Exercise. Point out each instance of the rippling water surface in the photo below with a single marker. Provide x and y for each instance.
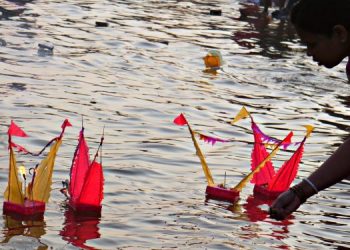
(133, 77)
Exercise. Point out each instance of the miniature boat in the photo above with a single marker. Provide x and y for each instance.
(32, 200)
(220, 192)
(213, 191)
(269, 184)
(27, 208)
(85, 188)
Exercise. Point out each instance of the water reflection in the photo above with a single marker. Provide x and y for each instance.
(7, 13)
(80, 228)
(264, 35)
(255, 210)
(32, 228)
(123, 76)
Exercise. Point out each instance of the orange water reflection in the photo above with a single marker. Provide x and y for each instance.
(15, 226)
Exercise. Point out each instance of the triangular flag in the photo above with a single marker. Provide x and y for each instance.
(180, 120)
(14, 130)
(243, 113)
(309, 129)
(66, 123)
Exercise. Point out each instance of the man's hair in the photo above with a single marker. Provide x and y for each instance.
(320, 16)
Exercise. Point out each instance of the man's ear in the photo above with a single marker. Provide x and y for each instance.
(341, 33)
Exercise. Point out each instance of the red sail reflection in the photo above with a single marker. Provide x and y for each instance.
(78, 229)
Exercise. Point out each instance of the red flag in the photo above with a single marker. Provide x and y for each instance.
(180, 120)
(19, 148)
(66, 123)
(14, 130)
(288, 139)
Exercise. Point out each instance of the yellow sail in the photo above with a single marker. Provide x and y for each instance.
(13, 192)
(43, 175)
(205, 167)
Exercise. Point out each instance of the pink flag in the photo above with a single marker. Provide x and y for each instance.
(210, 139)
(19, 147)
(180, 120)
(14, 130)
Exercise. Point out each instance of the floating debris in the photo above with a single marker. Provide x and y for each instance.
(45, 49)
(46, 46)
(213, 60)
(215, 12)
(2, 42)
(164, 42)
(101, 24)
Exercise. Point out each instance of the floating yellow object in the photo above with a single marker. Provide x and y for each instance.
(213, 59)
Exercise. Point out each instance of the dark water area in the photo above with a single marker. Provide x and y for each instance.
(132, 78)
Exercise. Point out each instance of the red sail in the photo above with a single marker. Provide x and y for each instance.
(287, 172)
(79, 169)
(92, 193)
(259, 153)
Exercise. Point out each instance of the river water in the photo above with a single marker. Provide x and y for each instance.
(133, 78)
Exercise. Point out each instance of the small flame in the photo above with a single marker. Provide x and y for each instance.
(22, 170)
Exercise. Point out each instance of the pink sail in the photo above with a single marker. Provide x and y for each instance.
(286, 174)
(80, 167)
(259, 153)
(86, 183)
(92, 193)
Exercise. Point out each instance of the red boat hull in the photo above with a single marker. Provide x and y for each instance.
(85, 209)
(261, 191)
(220, 193)
(27, 209)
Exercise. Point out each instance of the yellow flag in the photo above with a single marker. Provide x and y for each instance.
(243, 113)
(309, 129)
